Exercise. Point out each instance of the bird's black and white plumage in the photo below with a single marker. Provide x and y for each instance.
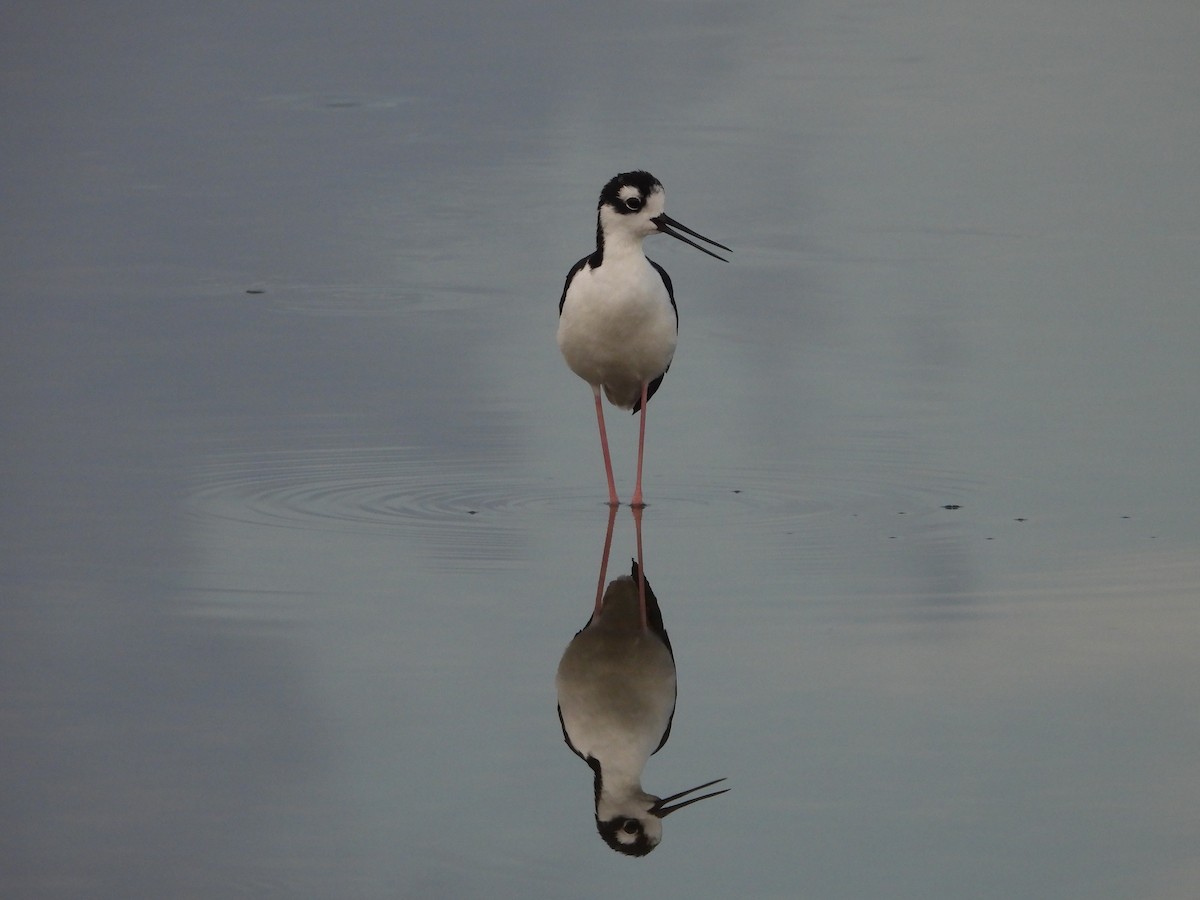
(616, 702)
(618, 321)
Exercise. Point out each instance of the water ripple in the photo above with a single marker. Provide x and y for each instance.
(398, 487)
(483, 509)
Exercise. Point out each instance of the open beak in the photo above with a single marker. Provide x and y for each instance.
(666, 224)
(660, 808)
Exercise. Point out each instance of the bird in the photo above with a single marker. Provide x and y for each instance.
(616, 689)
(617, 319)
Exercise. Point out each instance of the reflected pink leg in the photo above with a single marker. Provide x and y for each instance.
(613, 500)
(612, 517)
(637, 524)
(637, 501)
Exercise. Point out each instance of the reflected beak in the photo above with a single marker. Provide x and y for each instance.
(666, 225)
(660, 808)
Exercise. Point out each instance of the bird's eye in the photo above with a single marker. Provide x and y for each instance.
(633, 204)
(630, 826)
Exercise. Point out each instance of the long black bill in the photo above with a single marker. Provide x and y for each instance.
(665, 223)
(660, 808)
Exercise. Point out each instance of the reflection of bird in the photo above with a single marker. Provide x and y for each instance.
(617, 317)
(616, 700)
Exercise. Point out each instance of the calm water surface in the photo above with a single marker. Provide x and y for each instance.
(301, 506)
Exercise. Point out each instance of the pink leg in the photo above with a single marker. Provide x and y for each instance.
(612, 518)
(636, 500)
(613, 500)
(637, 524)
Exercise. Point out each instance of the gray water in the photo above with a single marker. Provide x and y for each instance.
(301, 505)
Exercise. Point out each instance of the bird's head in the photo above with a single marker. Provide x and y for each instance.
(631, 207)
(632, 824)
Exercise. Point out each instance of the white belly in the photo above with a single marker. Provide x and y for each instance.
(618, 329)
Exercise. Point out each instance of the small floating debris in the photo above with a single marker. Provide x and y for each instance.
(951, 506)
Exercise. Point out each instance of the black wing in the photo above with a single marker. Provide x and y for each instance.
(654, 385)
(655, 620)
(567, 737)
(653, 614)
(670, 289)
(575, 268)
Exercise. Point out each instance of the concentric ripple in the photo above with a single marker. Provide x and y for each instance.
(367, 489)
(485, 508)
(377, 488)
(457, 505)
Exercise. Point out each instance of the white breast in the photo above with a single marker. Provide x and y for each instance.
(616, 693)
(618, 328)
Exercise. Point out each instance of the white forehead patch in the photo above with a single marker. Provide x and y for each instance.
(629, 190)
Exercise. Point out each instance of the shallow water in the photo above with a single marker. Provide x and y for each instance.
(302, 506)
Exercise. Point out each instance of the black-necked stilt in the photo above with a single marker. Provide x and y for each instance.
(616, 701)
(617, 320)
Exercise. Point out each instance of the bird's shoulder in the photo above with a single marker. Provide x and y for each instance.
(575, 270)
(666, 279)
(567, 737)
